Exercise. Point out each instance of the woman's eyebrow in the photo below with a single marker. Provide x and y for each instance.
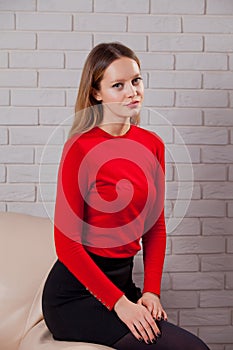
(133, 77)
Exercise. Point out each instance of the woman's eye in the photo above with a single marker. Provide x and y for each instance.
(137, 80)
(117, 85)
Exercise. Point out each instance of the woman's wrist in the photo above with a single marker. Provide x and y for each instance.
(151, 293)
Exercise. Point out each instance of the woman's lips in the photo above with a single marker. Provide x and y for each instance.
(133, 104)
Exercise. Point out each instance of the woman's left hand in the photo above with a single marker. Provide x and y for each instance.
(152, 302)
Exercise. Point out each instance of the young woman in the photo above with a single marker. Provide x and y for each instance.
(110, 196)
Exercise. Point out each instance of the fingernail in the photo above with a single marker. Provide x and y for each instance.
(154, 340)
(159, 334)
(159, 318)
(140, 339)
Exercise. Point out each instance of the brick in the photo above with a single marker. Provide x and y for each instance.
(35, 135)
(198, 281)
(166, 133)
(221, 298)
(168, 209)
(229, 280)
(218, 334)
(216, 80)
(172, 42)
(201, 208)
(217, 154)
(217, 190)
(22, 5)
(183, 190)
(214, 7)
(219, 43)
(231, 99)
(21, 174)
(177, 300)
(154, 24)
(15, 78)
(100, 23)
(175, 80)
(217, 117)
(13, 154)
(17, 40)
(3, 136)
(184, 227)
(180, 154)
(178, 7)
(198, 245)
(4, 97)
(207, 24)
(201, 98)
(204, 317)
(166, 281)
(64, 41)
(7, 21)
(59, 78)
(41, 21)
(203, 172)
(38, 97)
(217, 263)
(18, 116)
(137, 42)
(35, 209)
(152, 60)
(169, 172)
(33, 59)
(131, 6)
(231, 62)
(175, 116)
(68, 6)
(15, 192)
(3, 59)
(175, 263)
(71, 96)
(47, 193)
(231, 173)
(51, 154)
(201, 61)
(2, 173)
(56, 116)
(201, 135)
(230, 209)
(48, 173)
(75, 60)
(218, 226)
(158, 98)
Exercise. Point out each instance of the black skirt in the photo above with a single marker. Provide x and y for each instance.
(72, 313)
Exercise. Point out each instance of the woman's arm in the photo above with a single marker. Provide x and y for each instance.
(68, 226)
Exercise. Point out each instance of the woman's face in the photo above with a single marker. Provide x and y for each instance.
(121, 90)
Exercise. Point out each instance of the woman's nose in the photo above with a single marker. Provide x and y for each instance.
(131, 90)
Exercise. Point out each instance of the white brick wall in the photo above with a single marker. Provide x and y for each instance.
(186, 52)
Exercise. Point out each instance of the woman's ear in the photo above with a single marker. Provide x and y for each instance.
(96, 94)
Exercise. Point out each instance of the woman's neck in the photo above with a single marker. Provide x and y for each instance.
(115, 129)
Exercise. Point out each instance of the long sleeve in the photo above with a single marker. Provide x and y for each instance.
(154, 240)
(68, 226)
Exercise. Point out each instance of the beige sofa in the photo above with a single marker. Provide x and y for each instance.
(26, 256)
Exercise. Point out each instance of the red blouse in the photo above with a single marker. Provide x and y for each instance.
(110, 200)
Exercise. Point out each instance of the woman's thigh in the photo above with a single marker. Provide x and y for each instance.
(172, 338)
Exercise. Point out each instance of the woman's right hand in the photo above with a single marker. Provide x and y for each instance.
(138, 319)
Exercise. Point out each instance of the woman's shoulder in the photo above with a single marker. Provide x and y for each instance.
(150, 135)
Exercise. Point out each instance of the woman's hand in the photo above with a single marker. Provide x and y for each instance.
(138, 319)
(152, 302)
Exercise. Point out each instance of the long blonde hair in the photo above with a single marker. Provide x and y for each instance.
(88, 111)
